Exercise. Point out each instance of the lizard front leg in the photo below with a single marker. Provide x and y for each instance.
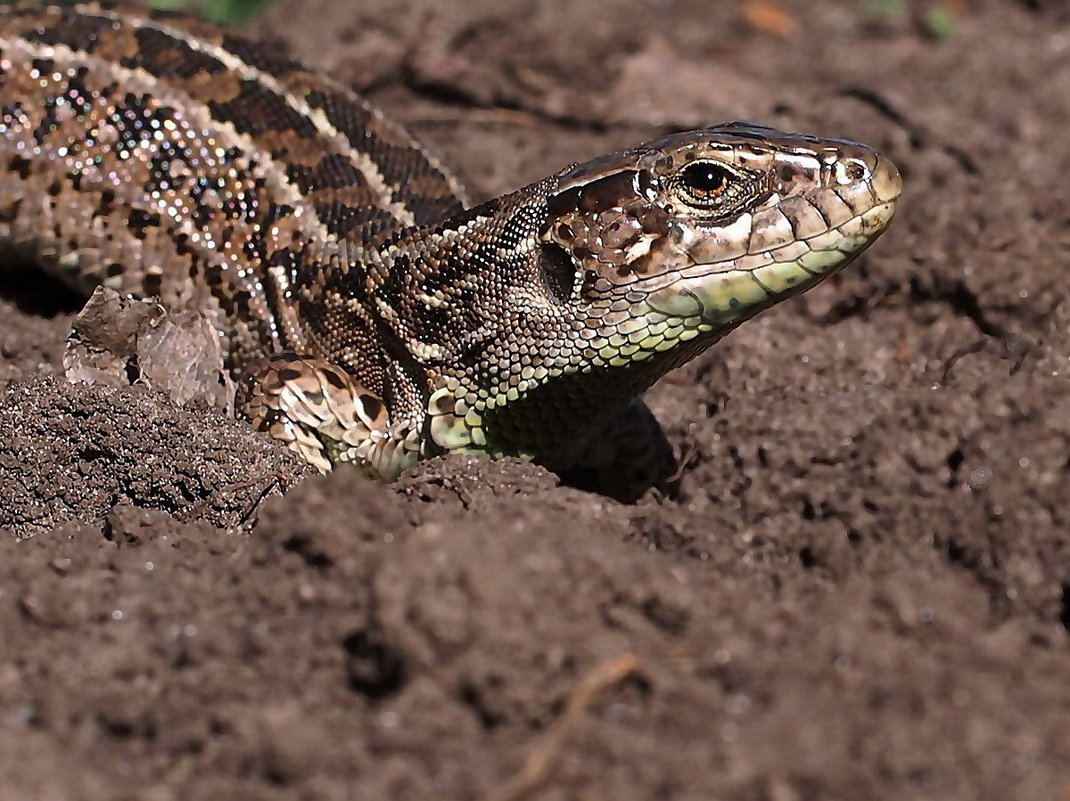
(323, 413)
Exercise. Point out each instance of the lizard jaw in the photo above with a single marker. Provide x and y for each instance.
(727, 293)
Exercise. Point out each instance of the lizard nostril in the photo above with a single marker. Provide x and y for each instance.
(851, 171)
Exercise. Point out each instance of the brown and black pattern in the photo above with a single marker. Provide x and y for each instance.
(370, 316)
(206, 142)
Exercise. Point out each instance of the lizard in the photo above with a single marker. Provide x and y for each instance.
(371, 315)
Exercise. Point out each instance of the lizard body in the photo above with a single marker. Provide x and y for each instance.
(369, 315)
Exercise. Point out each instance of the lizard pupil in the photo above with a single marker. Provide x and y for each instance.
(705, 180)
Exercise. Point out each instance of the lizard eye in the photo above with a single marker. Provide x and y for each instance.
(702, 183)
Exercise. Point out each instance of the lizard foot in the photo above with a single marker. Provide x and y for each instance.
(323, 414)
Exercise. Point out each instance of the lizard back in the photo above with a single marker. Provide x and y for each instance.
(161, 155)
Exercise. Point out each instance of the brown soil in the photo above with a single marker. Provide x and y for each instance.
(861, 591)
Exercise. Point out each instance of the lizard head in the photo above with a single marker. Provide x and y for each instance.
(638, 261)
(687, 236)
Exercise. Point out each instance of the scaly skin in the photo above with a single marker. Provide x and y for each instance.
(537, 318)
(368, 316)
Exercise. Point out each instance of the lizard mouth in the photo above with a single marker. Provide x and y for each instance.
(717, 294)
